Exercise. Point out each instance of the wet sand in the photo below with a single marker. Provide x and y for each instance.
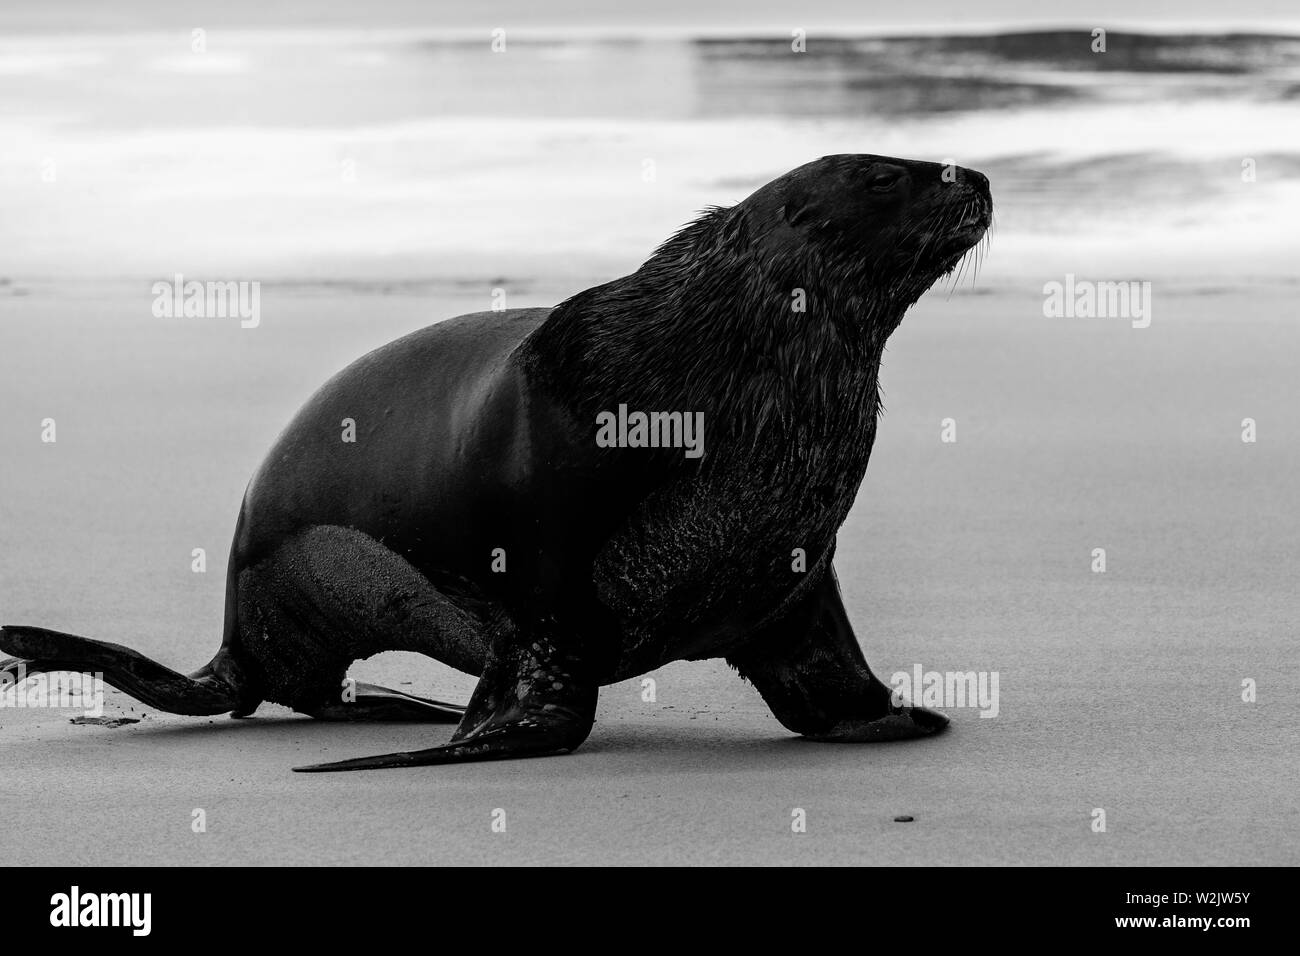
(1118, 690)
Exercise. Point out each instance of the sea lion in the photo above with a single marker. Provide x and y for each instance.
(513, 504)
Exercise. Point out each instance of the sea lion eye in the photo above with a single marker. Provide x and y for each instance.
(883, 180)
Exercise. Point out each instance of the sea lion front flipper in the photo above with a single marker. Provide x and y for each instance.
(811, 673)
(370, 702)
(528, 703)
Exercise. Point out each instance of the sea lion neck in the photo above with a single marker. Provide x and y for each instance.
(754, 345)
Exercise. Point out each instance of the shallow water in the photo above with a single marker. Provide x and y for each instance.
(352, 155)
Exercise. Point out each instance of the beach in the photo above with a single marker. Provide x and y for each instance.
(1119, 690)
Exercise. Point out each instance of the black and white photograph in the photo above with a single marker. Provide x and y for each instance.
(696, 434)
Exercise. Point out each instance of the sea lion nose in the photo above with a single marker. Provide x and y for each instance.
(975, 179)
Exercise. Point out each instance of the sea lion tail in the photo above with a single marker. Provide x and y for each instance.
(38, 651)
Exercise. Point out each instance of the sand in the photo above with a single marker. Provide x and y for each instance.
(1119, 691)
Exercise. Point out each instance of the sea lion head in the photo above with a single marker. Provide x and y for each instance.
(858, 237)
(890, 226)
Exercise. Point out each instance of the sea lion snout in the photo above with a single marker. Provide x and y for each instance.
(949, 214)
(885, 223)
(975, 180)
(979, 193)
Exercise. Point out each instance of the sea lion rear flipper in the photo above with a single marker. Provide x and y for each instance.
(375, 703)
(528, 703)
(39, 651)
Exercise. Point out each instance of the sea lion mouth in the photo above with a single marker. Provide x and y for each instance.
(961, 217)
(962, 237)
(952, 230)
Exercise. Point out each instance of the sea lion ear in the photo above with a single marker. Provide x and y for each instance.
(796, 209)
